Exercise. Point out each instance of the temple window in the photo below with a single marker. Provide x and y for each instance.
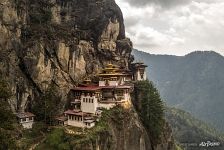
(120, 93)
(141, 76)
(107, 82)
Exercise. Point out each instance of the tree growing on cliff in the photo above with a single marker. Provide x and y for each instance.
(150, 107)
(4, 90)
(57, 140)
(7, 118)
(48, 106)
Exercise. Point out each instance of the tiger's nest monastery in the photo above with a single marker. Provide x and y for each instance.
(113, 88)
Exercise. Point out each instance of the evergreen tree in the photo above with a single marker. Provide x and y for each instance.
(4, 90)
(47, 107)
(7, 118)
(57, 140)
(150, 108)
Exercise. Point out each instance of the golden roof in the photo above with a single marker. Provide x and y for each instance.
(109, 65)
(112, 74)
(111, 70)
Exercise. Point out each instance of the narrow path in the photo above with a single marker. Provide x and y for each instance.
(36, 144)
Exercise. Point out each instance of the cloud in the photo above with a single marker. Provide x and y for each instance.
(196, 25)
(162, 3)
(166, 3)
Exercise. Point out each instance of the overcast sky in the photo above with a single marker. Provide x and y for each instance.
(174, 27)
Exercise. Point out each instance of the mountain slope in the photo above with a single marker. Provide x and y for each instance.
(187, 129)
(194, 82)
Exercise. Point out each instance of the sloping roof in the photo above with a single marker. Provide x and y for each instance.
(89, 121)
(75, 113)
(62, 118)
(88, 88)
(25, 115)
(139, 64)
(116, 87)
(112, 74)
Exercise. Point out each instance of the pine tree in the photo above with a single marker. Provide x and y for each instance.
(7, 118)
(48, 106)
(150, 108)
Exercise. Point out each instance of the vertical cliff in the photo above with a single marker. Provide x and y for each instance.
(58, 41)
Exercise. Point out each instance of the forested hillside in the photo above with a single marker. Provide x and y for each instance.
(194, 82)
(190, 132)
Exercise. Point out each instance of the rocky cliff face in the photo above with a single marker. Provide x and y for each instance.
(62, 42)
(58, 41)
(125, 132)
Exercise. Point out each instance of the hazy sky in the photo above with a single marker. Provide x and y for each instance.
(174, 26)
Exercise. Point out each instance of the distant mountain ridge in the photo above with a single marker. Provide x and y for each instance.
(194, 82)
(187, 129)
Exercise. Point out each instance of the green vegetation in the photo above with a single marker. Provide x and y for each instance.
(187, 129)
(32, 136)
(6, 140)
(58, 138)
(48, 106)
(115, 116)
(55, 140)
(7, 118)
(193, 83)
(4, 90)
(150, 108)
(40, 12)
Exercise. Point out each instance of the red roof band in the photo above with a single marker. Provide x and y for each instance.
(95, 88)
(25, 115)
(76, 113)
(88, 88)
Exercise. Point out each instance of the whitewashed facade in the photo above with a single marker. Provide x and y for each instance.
(89, 103)
(140, 75)
(26, 119)
(76, 121)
